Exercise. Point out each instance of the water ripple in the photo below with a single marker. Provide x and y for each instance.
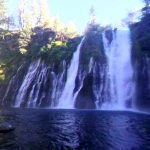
(76, 130)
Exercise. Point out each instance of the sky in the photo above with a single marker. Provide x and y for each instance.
(107, 11)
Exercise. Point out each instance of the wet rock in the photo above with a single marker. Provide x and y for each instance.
(86, 98)
(109, 35)
(6, 127)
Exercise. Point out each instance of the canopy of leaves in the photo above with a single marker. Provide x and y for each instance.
(2, 12)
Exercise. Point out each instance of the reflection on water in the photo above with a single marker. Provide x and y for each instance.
(74, 129)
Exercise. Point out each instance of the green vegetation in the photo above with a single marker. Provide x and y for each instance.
(140, 34)
(38, 36)
(19, 46)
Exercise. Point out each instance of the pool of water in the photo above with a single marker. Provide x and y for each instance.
(41, 129)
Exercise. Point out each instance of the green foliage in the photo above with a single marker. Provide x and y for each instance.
(70, 30)
(140, 34)
(38, 37)
(58, 44)
(2, 12)
(9, 55)
(57, 52)
(51, 46)
(2, 75)
(9, 66)
(24, 39)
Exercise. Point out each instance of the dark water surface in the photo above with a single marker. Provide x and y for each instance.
(39, 129)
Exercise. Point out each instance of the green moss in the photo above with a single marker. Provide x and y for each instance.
(2, 75)
(57, 43)
(43, 43)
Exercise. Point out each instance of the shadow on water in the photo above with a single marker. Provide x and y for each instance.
(75, 129)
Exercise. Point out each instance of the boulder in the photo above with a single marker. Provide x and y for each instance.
(6, 127)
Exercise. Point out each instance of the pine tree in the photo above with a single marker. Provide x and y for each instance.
(44, 19)
(57, 25)
(23, 14)
(70, 30)
(25, 24)
(147, 2)
(3, 18)
(35, 13)
(92, 15)
(146, 9)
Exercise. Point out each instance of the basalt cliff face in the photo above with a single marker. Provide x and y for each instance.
(41, 84)
(102, 73)
(140, 34)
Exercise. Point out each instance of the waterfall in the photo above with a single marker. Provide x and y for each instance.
(41, 86)
(120, 71)
(26, 83)
(102, 85)
(66, 99)
(57, 85)
(99, 86)
(13, 87)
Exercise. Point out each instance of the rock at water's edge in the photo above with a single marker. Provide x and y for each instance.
(6, 127)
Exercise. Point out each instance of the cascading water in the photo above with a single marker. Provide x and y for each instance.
(41, 86)
(57, 86)
(27, 81)
(99, 86)
(104, 84)
(120, 72)
(66, 99)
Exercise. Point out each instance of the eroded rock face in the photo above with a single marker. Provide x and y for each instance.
(109, 35)
(92, 53)
(86, 98)
(141, 60)
(2, 90)
(143, 83)
(42, 84)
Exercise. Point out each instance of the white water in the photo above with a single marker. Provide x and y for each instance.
(57, 86)
(120, 71)
(66, 99)
(113, 85)
(99, 86)
(27, 81)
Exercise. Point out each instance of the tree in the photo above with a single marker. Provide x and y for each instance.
(25, 24)
(57, 25)
(92, 15)
(146, 9)
(147, 2)
(22, 10)
(3, 18)
(36, 13)
(10, 22)
(31, 15)
(44, 19)
(70, 30)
